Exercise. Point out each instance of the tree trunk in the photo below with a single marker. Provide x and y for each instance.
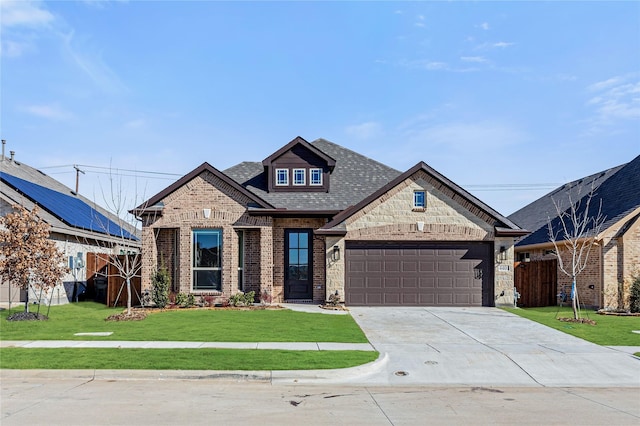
(574, 298)
(128, 296)
(26, 303)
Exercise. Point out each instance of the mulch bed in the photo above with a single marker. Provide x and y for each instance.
(27, 316)
(579, 320)
(135, 315)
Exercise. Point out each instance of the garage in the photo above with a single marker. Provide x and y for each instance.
(418, 273)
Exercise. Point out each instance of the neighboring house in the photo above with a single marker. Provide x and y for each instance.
(316, 219)
(616, 255)
(78, 227)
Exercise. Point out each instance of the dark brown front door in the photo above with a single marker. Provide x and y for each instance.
(418, 274)
(298, 275)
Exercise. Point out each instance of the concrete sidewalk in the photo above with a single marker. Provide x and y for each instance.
(122, 344)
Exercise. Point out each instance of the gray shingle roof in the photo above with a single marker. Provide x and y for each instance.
(354, 177)
(618, 189)
(28, 173)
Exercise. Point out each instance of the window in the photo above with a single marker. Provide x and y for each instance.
(524, 257)
(315, 177)
(299, 177)
(419, 200)
(282, 177)
(207, 259)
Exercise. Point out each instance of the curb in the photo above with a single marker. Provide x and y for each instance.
(237, 376)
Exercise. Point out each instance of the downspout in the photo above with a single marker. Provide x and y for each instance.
(602, 284)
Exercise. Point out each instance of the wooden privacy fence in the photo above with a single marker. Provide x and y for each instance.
(104, 283)
(536, 281)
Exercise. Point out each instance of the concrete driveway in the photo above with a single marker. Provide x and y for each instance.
(485, 347)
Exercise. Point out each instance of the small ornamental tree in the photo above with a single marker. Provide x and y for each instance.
(27, 256)
(574, 232)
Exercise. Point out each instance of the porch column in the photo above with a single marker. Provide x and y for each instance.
(149, 256)
(266, 262)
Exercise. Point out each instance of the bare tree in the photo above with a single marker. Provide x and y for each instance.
(28, 258)
(574, 231)
(129, 264)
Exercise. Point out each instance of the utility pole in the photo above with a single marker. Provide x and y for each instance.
(78, 171)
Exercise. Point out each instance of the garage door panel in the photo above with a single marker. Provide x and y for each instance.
(392, 283)
(412, 274)
(392, 265)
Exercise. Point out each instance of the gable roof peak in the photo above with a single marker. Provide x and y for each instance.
(188, 177)
(299, 140)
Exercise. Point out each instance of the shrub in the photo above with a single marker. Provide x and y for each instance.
(181, 299)
(634, 297)
(160, 283)
(242, 299)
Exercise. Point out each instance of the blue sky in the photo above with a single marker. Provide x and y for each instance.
(523, 94)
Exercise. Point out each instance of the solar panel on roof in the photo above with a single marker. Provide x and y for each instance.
(73, 211)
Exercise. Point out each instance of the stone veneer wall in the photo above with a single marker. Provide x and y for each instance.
(503, 271)
(393, 218)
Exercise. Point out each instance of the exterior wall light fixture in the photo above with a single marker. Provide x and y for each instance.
(335, 255)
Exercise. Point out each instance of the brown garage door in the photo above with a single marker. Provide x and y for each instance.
(418, 274)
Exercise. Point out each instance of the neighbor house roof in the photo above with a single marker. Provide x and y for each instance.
(354, 177)
(64, 210)
(617, 194)
(502, 225)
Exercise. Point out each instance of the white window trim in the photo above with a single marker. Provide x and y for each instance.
(311, 180)
(424, 199)
(286, 183)
(304, 177)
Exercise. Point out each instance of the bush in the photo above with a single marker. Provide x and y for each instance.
(160, 283)
(242, 299)
(181, 299)
(634, 297)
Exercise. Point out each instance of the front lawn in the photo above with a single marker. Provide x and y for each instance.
(203, 325)
(609, 330)
(181, 359)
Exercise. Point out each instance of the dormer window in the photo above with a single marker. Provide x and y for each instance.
(282, 177)
(299, 177)
(315, 177)
(298, 167)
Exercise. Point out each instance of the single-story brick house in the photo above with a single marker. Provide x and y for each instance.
(313, 219)
(616, 255)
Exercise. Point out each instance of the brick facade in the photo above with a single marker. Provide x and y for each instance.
(169, 236)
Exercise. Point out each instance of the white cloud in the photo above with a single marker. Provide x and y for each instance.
(12, 48)
(477, 59)
(49, 112)
(90, 61)
(367, 130)
(24, 13)
(502, 44)
(614, 99)
(485, 26)
(466, 137)
(136, 123)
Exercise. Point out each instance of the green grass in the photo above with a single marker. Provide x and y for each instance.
(185, 325)
(180, 359)
(609, 330)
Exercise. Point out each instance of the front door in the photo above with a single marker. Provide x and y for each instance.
(298, 275)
